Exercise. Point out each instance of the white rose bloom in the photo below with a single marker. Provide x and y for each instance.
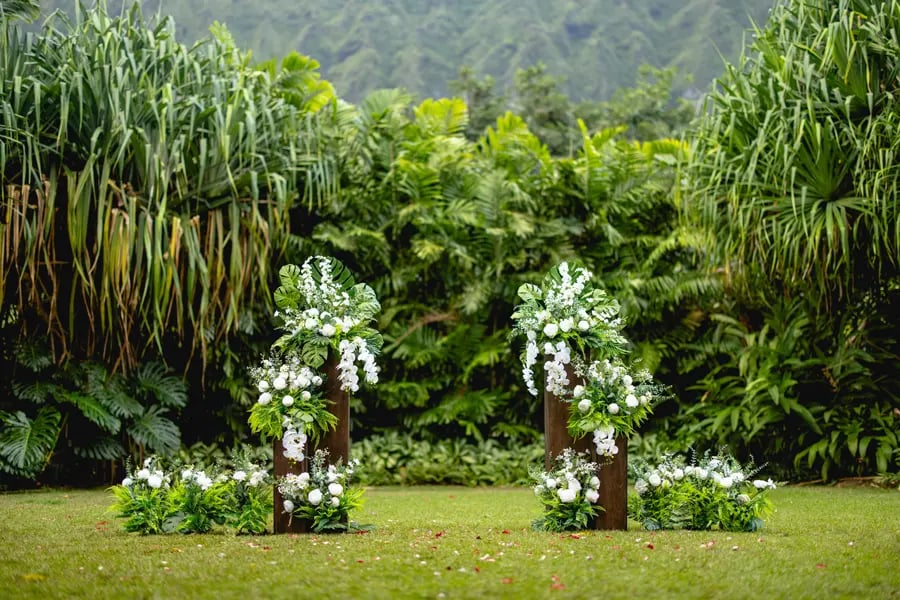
(583, 325)
(573, 484)
(127, 481)
(304, 477)
(678, 475)
(550, 483)
(311, 323)
(701, 473)
(725, 482)
(592, 496)
(263, 385)
(335, 489)
(288, 400)
(154, 481)
(654, 479)
(594, 482)
(265, 398)
(584, 405)
(143, 474)
(627, 380)
(551, 329)
(328, 330)
(566, 495)
(288, 506)
(305, 395)
(280, 383)
(187, 474)
(239, 475)
(566, 325)
(331, 477)
(335, 501)
(315, 497)
(613, 408)
(640, 486)
(631, 401)
(577, 391)
(317, 380)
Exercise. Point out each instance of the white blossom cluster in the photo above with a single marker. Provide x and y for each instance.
(353, 351)
(199, 478)
(294, 443)
(150, 475)
(321, 322)
(318, 486)
(322, 292)
(254, 478)
(717, 471)
(555, 376)
(285, 382)
(605, 441)
(573, 478)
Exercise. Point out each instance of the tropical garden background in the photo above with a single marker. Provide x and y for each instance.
(152, 188)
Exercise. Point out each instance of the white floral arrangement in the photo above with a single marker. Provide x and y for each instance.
(612, 402)
(322, 311)
(155, 500)
(569, 493)
(565, 313)
(567, 319)
(714, 492)
(322, 495)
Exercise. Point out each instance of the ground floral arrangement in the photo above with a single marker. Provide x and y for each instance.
(155, 500)
(322, 495)
(568, 493)
(714, 492)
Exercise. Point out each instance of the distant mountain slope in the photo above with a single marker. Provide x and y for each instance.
(420, 44)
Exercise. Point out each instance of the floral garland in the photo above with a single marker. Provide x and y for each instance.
(568, 492)
(322, 495)
(714, 492)
(322, 310)
(567, 317)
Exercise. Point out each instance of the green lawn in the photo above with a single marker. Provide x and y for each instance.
(456, 543)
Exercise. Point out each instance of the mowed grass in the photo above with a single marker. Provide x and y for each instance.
(456, 543)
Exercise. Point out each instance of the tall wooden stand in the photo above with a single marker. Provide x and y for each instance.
(613, 476)
(336, 442)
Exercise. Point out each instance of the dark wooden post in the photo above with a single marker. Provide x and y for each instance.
(614, 490)
(337, 442)
(613, 476)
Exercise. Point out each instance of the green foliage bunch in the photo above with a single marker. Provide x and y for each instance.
(153, 500)
(568, 493)
(147, 184)
(322, 495)
(395, 458)
(789, 184)
(715, 492)
(84, 412)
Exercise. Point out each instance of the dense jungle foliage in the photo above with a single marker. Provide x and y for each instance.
(152, 190)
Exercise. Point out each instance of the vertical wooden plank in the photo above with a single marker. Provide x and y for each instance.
(337, 441)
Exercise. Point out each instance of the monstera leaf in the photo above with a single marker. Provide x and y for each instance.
(26, 444)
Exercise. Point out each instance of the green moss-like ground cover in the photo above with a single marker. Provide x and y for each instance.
(449, 542)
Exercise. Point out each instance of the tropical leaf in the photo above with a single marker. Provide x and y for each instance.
(152, 381)
(26, 444)
(155, 431)
(104, 448)
(93, 410)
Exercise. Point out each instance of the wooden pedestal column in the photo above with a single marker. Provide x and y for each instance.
(613, 476)
(336, 442)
